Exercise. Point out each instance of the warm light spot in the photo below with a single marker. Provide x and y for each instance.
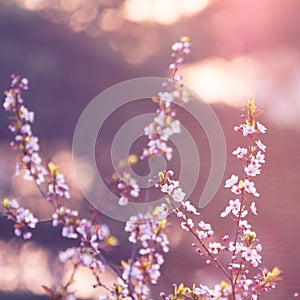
(137, 10)
(162, 11)
(82, 17)
(193, 7)
(23, 187)
(71, 5)
(272, 77)
(142, 45)
(63, 159)
(216, 79)
(85, 170)
(110, 20)
(35, 268)
(26, 267)
(76, 24)
(176, 239)
(33, 5)
(84, 280)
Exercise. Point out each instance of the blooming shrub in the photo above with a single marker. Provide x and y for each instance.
(244, 275)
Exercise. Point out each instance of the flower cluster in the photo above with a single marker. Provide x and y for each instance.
(20, 126)
(164, 124)
(94, 238)
(22, 217)
(147, 231)
(28, 145)
(68, 219)
(176, 197)
(244, 248)
(245, 277)
(128, 188)
(57, 187)
(180, 49)
(242, 279)
(196, 293)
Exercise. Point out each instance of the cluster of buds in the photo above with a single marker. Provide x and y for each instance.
(175, 193)
(245, 251)
(20, 126)
(28, 145)
(128, 188)
(94, 240)
(147, 231)
(165, 123)
(68, 219)
(180, 49)
(244, 248)
(143, 271)
(185, 212)
(196, 292)
(22, 217)
(57, 187)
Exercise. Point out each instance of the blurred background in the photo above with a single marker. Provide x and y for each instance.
(71, 50)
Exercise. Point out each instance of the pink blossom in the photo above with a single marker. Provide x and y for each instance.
(204, 226)
(168, 189)
(215, 247)
(261, 128)
(231, 181)
(248, 130)
(238, 128)
(250, 188)
(235, 248)
(26, 115)
(260, 158)
(240, 152)
(252, 170)
(164, 124)
(69, 253)
(252, 256)
(22, 217)
(190, 208)
(202, 234)
(236, 189)
(9, 102)
(253, 208)
(178, 195)
(203, 291)
(234, 207)
(166, 96)
(244, 224)
(186, 225)
(129, 189)
(246, 283)
(260, 145)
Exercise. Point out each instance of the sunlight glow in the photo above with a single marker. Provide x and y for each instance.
(33, 5)
(110, 20)
(229, 81)
(272, 77)
(162, 11)
(84, 280)
(24, 266)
